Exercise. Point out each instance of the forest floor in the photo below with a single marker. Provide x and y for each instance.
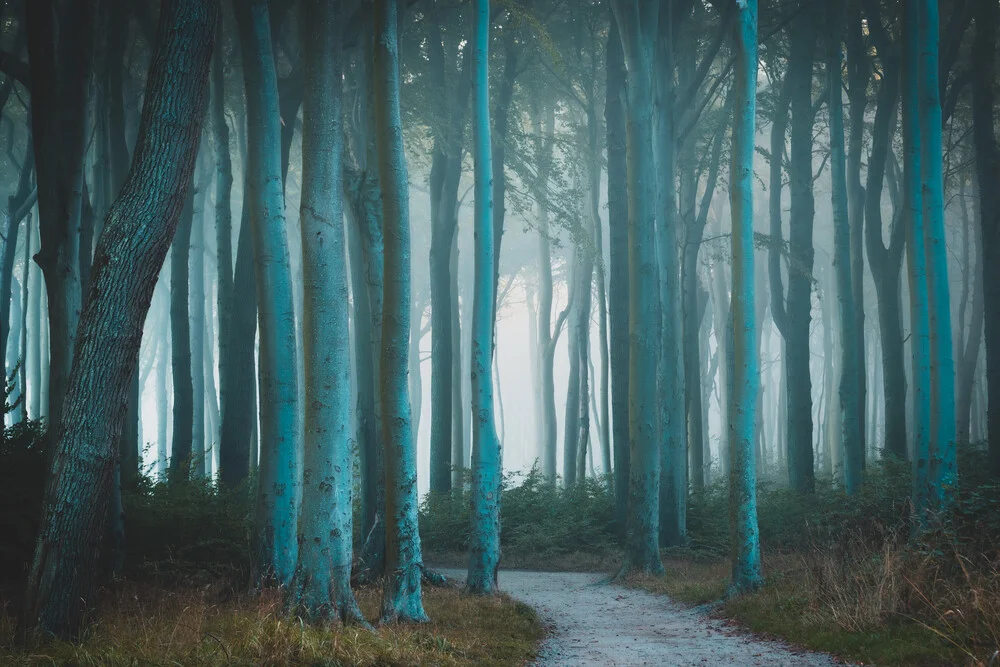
(593, 622)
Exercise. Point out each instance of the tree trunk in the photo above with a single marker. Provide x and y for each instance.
(322, 584)
(182, 446)
(279, 485)
(746, 574)
(129, 255)
(196, 308)
(988, 172)
(402, 597)
(618, 317)
(60, 41)
(638, 22)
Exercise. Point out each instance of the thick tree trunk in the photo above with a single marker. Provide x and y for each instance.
(129, 255)
(322, 584)
(402, 597)
(279, 485)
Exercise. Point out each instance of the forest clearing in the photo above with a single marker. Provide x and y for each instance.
(500, 332)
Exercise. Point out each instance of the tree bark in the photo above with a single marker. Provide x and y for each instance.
(129, 255)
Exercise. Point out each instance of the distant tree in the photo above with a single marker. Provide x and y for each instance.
(182, 450)
(129, 255)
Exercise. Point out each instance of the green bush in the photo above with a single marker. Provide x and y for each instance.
(537, 518)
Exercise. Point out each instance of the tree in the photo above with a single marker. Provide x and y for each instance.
(129, 255)
(852, 430)
(988, 171)
(322, 584)
(484, 550)
(638, 22)
(182, 447)
(279, 481)
(60, 51)
(403, 563)
(745, 382)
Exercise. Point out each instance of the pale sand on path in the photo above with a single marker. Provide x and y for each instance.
(592, 622)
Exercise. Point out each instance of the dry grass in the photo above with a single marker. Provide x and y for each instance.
(883, 603)
(139, 625)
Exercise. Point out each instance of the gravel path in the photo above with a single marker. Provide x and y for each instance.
(593, 623)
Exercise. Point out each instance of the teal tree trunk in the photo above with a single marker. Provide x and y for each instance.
(484, 547)
(671, 400)
(916, 260)
(850, 365)
(943, 460)
(402, 600)
(637, 22)
(129, 255)
(322, 584)
(745, 383)
(279, 477)
(181, 448)
(614, 117)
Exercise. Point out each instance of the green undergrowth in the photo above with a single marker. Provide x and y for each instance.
(542, 526)
(850, 577)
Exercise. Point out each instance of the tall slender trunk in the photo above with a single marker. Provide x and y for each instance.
(851, 400)
(484, 547)
(618, 317)
(129, 255)
(181, 450)
(746, 573)
(571, 425)
(402, 597)
(638, 22)
(458, 405)
(279, 485)
(18, 208)
(671, 396)
(196, 310)
(969, 344)
(988, 172)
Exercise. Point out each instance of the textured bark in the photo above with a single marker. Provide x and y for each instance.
(182, 443)
(988, 172)
(279, 484)
(484, 546)
(401, 599)
(129, 255)
(60, 51)
(614, 116)
(746, 381)
(322, 584)
(637, 22)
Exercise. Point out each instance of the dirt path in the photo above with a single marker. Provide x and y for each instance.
(601, 624)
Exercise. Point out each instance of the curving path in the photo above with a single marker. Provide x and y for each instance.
(593, 623)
